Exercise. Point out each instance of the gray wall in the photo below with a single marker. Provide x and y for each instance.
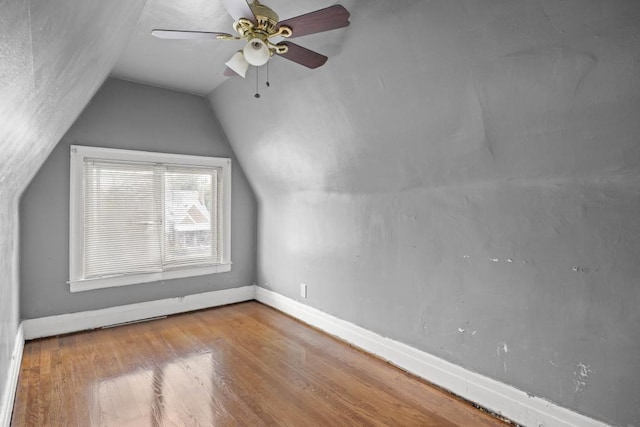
(53, 57)
(463, 176)
(130, 116)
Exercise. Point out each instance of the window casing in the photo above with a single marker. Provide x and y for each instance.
(139, 217)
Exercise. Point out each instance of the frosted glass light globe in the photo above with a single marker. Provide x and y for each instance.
(238, 64)
(256, 52)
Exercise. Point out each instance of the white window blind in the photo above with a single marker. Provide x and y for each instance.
(141, 219)
(122, 219)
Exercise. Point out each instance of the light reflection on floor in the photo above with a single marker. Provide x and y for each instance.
(166, 395)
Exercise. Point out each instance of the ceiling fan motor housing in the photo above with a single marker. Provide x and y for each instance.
(266, 19)
(265, 26)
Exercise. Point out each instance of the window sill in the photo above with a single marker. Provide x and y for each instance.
(134, 279)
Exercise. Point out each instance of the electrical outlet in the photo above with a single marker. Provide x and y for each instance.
(303, 290)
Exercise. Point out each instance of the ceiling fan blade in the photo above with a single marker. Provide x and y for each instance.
(186, 35)
(330, 18)
(239, 9)
(303, 56)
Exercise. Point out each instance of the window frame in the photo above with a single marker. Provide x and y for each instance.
(78, 154)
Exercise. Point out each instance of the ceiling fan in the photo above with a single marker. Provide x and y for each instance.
(258, 25)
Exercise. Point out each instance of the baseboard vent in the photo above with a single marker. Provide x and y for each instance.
(131, 322)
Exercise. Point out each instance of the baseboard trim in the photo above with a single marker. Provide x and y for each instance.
(75, 322)
(498, 397)
(6, 404)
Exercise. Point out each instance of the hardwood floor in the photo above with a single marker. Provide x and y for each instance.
(243, 364)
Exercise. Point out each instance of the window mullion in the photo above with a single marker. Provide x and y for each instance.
(215, 220)
(163, 210)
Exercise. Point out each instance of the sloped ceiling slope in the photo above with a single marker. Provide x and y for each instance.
(53, 57)
(463, 176)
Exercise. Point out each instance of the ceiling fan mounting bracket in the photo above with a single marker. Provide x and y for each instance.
(266, 19)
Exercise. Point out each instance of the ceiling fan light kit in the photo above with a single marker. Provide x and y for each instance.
(238, 64)
(258, 24)
(256, 52)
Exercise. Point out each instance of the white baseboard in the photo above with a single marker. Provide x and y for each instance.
(6, 402)
(74, 322)
(498, 397)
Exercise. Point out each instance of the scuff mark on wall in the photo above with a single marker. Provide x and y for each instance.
(546, 15)
(425, 324)
(585, 270)
(581, 377)
(501, 352)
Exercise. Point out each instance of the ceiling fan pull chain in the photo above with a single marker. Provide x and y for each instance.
(268, 84)
(257, 95)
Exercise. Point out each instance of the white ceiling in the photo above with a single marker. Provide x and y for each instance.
(194, 66)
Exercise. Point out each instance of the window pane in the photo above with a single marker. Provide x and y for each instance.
(122, 219)
(191, 234)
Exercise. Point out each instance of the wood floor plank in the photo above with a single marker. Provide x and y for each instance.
(239, 365)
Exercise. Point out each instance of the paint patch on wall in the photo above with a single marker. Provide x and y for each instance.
(581, 377)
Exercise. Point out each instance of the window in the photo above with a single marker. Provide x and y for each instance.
(142, 217)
